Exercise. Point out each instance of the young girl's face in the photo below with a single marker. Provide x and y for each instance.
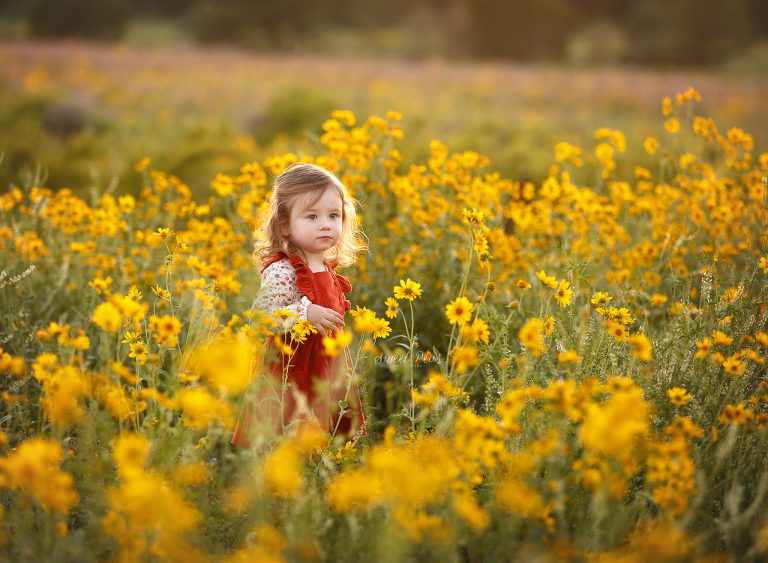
(315, 227)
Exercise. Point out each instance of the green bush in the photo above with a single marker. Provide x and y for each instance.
(92, 19)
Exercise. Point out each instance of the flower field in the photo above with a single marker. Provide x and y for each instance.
(86, 114)
(565, 369)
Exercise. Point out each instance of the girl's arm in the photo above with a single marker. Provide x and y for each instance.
(279, 292)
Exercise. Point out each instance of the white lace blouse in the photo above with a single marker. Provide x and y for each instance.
(279, 291)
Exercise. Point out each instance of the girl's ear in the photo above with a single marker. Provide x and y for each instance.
(285, 228)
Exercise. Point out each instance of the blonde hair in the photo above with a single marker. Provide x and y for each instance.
(302, 179)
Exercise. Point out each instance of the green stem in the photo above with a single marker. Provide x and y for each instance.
(462, 289)
(283, 387)
(595, 354)
(411, 344)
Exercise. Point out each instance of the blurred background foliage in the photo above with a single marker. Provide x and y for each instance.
(88, 88)
(584, 31)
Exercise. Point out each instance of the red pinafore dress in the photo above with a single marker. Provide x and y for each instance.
(317, 382)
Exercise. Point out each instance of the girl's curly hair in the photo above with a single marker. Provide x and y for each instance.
(301, 179)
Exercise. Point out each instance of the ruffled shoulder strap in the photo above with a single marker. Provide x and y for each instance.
(345, 287)
(303, 274)
(343, 282)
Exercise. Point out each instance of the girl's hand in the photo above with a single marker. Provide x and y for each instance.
(323, 318)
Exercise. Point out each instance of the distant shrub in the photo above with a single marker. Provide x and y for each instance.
(294, 109)
(66, 116)
(520, 29)
(77, 18)
(267, 24)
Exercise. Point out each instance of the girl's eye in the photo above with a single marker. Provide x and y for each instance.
(311, 216)
(334, 215)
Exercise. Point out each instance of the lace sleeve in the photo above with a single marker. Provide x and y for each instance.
(278, 291)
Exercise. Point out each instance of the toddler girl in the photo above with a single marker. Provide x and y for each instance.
(312, 228)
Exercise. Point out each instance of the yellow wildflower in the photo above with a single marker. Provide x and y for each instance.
(138, 351)
(471, 512)
(666, 106)
(459, 311)
(641, 346)
(336, 342)
(391, 304)
(600, 298)
(734, 365)
(191, 474)
(101, 285)
(301, 330)
(736, 413)
(613, 427)
(617, 330)
(672, 125)
(142, 164)
(522, 284)
(163, 233)
(167, 329)
(517, 496)
(549, 281)
(568, 357)
(678, 396)
(650, 145)
(703, 347)
(549, 325)
(107, 317)
(201, 408)
(407, 289)
(530, 336)
(475, 332)
(225, 363)
(130, 451)
(353, 490)
(345, 116)
(721, 338)
(464, 357)
(34, 467)
(563, 294)
(162, 293)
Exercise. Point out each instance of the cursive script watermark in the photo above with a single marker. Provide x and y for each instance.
(419, 357)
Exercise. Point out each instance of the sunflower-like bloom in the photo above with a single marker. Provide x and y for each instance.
(459, 311)
(407, 289)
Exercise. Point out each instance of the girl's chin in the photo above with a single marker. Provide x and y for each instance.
(320, 246)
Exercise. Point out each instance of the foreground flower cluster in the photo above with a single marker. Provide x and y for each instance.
(572, 369)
